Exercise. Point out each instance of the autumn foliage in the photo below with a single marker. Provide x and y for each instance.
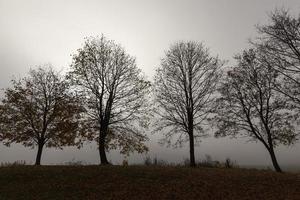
(40, 110)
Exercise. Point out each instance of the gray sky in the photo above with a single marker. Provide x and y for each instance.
(37, 32)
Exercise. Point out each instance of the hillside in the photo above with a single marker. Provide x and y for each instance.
(138, 182)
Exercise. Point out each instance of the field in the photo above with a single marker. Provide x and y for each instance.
(141, 182)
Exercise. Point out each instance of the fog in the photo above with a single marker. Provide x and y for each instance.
(37, 32)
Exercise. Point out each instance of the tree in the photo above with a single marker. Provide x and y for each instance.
(249, 105)
(39, 110)
(116, 96)
(279, 42)
(184, 87)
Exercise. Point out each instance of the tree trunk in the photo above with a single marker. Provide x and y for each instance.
(192, 151)
(102, 153)
(39, 154)
(274, 160)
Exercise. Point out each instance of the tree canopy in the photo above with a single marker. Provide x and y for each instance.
(279, 42)
(116, 96)
(184, 87)
(40, 110)
(249, 105)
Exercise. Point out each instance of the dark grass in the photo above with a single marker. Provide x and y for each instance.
(142, 182)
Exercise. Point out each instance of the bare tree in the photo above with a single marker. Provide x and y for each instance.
(39, 110)
(116, 96)
(279, 41)
(184, 87)
(249, 105)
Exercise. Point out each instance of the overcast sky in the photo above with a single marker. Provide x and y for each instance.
(37, 32)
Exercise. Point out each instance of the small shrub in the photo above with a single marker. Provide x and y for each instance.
(229, 163)
(155, 162)
(161, 162)
(15, 163)
(186, 162)
(209, 162)
(125, 162)
(147, 161)
(75, 163)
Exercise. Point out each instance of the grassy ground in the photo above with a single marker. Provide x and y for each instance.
(141, 182)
